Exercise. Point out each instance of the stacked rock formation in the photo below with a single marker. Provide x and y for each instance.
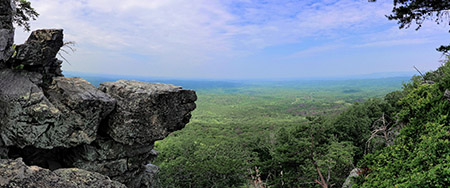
(67, 124)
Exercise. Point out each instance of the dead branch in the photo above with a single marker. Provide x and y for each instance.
(69, 45)
(380, 129)
(419, 72)
(322, 181)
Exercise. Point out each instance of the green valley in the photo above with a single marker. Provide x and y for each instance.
(235, 132)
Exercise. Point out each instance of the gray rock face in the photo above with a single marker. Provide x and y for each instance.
(25, 112)
(7, 9)
(41, 47)
(147, 112)
(349, 181)
(73, 117)
(120, 162)
(82, 107)
(38, 53)
(54, 122)
(447, 94)
(15, 174)
(65, 115)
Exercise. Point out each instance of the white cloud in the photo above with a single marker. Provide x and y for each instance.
(388, 43)
(195, 32)
(315, 50)
(199, 25)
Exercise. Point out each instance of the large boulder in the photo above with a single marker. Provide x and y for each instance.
(7, 8)
(15, 174)
(38, 53)
(40, 48)
(67, 114)
(82, 107)
(25, 113)
(147, 112)
(118, 161)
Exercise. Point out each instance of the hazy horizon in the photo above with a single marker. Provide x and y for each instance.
(379, 75)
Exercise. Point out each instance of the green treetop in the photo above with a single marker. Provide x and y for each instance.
(24, 13)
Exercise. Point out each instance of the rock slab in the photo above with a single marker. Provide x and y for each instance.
(147, 112)
(16, 174)
(38, 54)
(65, 115)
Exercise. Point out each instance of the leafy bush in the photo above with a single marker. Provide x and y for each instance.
(421, 155)
(202, 162)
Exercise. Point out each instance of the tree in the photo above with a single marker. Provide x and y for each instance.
(307, 155)
(201, 161)
(417, 11)
(24, 13)
(419, 157)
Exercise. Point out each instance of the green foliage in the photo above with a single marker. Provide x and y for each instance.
(24, 14)
(19, 67)
(444, 49)
(354, 124)
(393, 99)
(202, 162)
(417, 11)
(290, 159)
(15, 51)
(420, 156)
(236, 130)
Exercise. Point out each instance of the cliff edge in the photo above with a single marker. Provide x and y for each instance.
(57, 131)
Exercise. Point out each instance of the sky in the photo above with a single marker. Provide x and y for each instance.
(238, 39)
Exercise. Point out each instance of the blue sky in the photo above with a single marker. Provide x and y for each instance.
(238, 39)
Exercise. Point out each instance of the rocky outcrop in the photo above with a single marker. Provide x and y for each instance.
(147, 112)
(66, 114)
(25, 113)
(38, 54)
(120, 162)
(7, 8)
(40, 48)
(15, 174)
(56, 122)
(82, 107)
